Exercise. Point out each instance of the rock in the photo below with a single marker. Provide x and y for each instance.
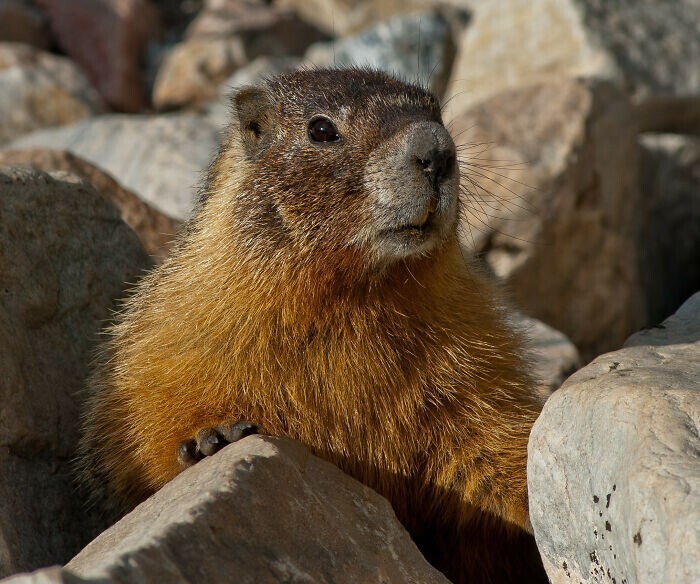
(614, 463)
(160, 158)
(224, 37)
(192, 72)
(550, 185)
(681, 327)
(108, 39)
(650, 48)
(554, 356)
(219, 111)
(38, 89)
(346, 17)
(53, 575)
(21, 22)
(417, 47)
(668, 236)
(155, 229)
(265, 510)
(66, 256)
(264, 29)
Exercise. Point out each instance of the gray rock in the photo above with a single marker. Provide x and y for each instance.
(155, 230)
(550, 185)
(416, 47)
(668, 237)
(554, 356)
(160, 158)
(614, 463)
(265, 510)
(650, 48)
(66, 257)
(38, 89)
(53, 575)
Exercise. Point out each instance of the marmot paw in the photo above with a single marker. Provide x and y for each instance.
(209, 441)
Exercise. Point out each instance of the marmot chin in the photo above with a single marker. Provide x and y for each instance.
(319, 292)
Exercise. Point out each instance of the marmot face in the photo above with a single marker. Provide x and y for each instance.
(359, 165)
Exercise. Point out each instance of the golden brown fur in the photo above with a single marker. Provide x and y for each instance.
(408, 377)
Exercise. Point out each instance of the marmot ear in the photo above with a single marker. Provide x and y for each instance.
(253, 110)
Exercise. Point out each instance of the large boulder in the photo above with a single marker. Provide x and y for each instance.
(160, 158)
(550, 185)
(66, 257)
(38, 89)
(108, 38)
(155, 230)
(614, 463)
(261, 510)
(652, 49)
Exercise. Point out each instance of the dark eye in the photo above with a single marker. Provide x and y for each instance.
(322, 130)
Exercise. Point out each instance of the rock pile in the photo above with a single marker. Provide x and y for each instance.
(576, 122)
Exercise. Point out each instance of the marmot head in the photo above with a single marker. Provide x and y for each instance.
(341, 161)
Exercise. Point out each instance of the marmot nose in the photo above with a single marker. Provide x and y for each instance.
(437, 164)
(433, 152)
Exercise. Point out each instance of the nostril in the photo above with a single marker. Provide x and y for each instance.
(438, 164)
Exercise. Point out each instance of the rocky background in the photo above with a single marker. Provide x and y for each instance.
(578, 125)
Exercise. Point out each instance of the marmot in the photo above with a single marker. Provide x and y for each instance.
(320, 293)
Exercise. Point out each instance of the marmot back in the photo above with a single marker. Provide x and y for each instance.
(319, 292)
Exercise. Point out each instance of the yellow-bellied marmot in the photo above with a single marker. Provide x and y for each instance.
(319, 292)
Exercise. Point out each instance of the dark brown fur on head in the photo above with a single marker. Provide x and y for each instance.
(320, 292)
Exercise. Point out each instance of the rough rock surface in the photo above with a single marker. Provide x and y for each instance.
(651, 48)
(417, 47)
(614, 463)
(669, 226)
(66, 256)
(38, 89)
(160, 158)
(265, 510)
(108, 39)
(550, 193)
(21, 22)
(155, 229)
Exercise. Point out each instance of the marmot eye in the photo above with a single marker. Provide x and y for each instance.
(322, 130)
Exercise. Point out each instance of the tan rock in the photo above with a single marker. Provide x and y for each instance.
(650, 48)
(155, 229)
(193, 71)
(38, 89)
(21, 22)
(550, 185)
(108, 39)
(66, 257)
(614, 463)
(225, 36)
(265, 510)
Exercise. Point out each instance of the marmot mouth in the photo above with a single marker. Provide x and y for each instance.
(423, 225)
